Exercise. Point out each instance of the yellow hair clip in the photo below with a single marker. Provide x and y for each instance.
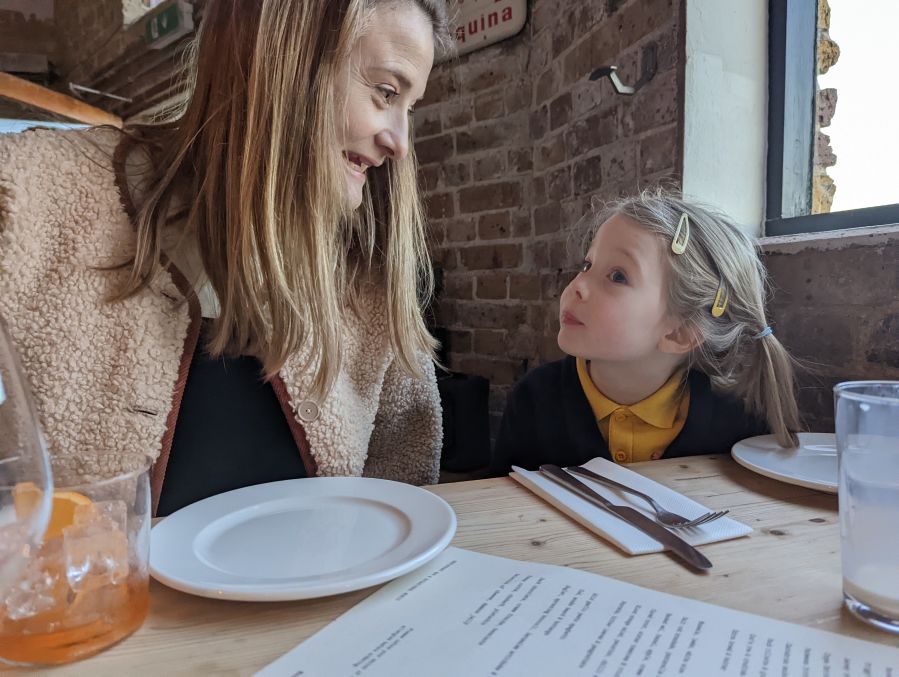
(681, 235)
(720, 303)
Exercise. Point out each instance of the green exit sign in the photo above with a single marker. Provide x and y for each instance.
(169, 24)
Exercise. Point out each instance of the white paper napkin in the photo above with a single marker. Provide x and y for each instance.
(628, 538)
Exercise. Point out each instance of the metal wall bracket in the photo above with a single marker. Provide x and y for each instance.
(650, 66)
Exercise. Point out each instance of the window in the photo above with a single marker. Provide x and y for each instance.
(832, 135)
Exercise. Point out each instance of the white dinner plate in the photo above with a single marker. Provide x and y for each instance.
(812, 464)
(298, 539)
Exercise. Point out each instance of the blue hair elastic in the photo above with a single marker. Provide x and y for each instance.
(767, 331)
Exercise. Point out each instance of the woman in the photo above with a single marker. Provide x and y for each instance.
(236, 293)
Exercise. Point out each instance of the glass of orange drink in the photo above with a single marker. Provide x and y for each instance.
(86, 586)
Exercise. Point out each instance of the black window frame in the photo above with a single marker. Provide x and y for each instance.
(792, 73)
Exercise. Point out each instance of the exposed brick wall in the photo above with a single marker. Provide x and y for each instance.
(513, 142)
(838, 311)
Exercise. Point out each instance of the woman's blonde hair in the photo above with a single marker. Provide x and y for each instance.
(735, 350)
(252, 163)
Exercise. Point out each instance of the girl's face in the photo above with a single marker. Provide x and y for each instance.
(615, 310)
(389, 69)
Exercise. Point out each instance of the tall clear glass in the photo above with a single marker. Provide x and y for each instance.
(23, 469)
(867, 428)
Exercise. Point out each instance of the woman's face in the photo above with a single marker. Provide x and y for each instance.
(389, 69)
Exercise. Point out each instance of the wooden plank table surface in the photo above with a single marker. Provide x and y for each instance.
(788, 568)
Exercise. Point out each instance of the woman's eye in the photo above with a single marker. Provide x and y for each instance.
(585, 266)
(387, 93)
(618, 277)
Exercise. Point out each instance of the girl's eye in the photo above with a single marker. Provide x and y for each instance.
(618, 277)
(585, 266)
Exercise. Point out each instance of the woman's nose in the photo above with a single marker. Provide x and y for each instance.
(394, 139)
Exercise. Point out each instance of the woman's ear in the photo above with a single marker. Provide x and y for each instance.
(683, 339)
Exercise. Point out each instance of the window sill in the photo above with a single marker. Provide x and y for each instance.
(830, 239)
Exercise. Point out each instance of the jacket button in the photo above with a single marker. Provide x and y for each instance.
(620, 417)
(620, 456)
(307, 411)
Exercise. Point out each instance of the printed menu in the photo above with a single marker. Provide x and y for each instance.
(466, 613)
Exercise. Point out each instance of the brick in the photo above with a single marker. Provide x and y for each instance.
(538, 123)
(544, 15)
(501, 372)
(560, 111)
(562, 34)
(487, 167)
(547, 218)
(560, 257)
(491, 257)
(620, 163)
(518, 95)
(489, 315)
(521, 160)
(538, 190)
(485, 136)
(440, 205)
(522, 343)
(489, 106)
(455, 173)
(548, 350)
(492, 286)
(536, 315)
(457, 114)
(552, 285)
(587, 174)
(489, 196)
(443, 85)
(521, 223)
(821, 335)
(591, 133)
(445, 258)
(547, 85)
(639, 19)
(541, 52)
(427, 122)
(458, 341)
(549, 153)
(435, 149)
(654, 105)
(658, 151)
(524, 287)
(558, 183)
(578, 63)
(461, 229)
(539, 252)
(479, 74)
(494, 226)
(446, 312)
(490, 341)
(458, 287)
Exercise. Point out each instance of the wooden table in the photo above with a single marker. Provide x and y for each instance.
(789, 569)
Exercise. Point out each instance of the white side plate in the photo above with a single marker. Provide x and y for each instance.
(299, 539)
(813, 464)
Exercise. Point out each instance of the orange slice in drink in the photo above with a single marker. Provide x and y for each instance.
(26, 496)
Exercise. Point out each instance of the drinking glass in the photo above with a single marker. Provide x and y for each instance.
(87, 587)
(23, 463)
(867, 428)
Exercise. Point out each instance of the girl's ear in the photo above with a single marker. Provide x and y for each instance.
(680, 340)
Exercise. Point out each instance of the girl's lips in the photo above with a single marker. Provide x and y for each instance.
(571, 320)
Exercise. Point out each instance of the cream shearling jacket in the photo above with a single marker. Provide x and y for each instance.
(107, 378)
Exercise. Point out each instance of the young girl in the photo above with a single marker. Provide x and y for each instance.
(670, 350)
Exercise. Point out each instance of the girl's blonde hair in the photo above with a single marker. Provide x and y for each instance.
(252, 163)
(719, 255)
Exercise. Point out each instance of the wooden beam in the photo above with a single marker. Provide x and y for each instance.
(55, 102)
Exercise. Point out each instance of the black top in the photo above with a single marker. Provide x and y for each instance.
(548, 419)
(231, 432)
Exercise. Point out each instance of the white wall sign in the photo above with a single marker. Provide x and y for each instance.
(478, 23)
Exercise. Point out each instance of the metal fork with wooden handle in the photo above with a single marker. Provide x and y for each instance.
(666, 517)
